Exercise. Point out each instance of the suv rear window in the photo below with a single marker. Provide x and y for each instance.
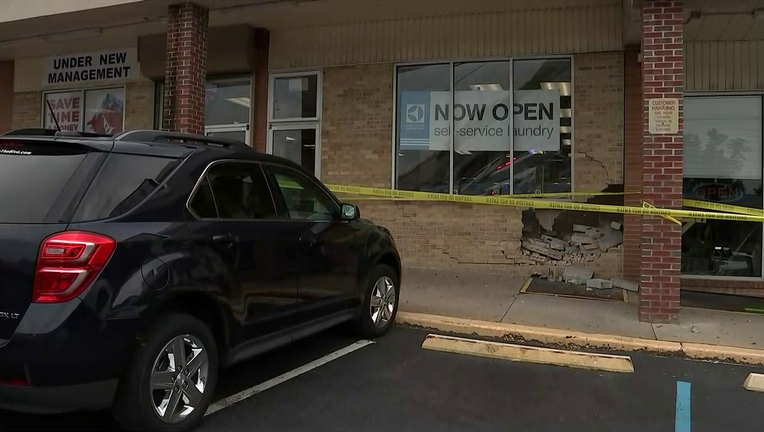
(32, 176)
(123, 183)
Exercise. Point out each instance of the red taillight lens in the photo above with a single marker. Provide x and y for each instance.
(68, 262)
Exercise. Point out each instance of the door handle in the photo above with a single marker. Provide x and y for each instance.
(225, 238)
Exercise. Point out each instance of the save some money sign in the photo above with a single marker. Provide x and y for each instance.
(120, 64)
(481, 120)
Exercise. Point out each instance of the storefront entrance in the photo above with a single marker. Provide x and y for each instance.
(237, 132)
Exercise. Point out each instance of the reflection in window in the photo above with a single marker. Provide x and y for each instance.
(424, 140)
(297, 145)
(723, 163)
(542, 142)
(303, 199)
(241, 192)
(227, 101)
(295, 97)
(481, 123)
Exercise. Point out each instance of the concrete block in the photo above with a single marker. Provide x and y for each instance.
(628, 285)
(582, 239)
(599, 283)
(616, 225)
(754, 382)
(579, 273)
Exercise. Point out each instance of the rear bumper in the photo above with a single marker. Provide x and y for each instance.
(51, 400)
(68, 357)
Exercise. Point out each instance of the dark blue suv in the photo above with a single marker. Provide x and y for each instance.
(133, 267)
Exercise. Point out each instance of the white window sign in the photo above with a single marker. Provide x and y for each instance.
(102, 66)
(481, 120)
(67, 107)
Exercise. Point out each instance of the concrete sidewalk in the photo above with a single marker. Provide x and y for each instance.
(497, 299)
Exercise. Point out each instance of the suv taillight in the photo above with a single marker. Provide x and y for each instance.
(68, 262)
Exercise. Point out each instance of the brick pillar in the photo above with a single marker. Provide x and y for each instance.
(6, 96)
(663, 77)
(632, 162)
(259, 63)
(186, 68)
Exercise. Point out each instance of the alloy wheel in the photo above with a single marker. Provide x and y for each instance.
(382, 302)
(179, 379)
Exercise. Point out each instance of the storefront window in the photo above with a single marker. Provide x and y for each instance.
(543, 126)
(723, 164)
(424, 140)
(227, 101)
(95, 110)
(293, 118)
(510, 135)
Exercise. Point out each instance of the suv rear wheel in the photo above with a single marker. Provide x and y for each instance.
(380, 303)
(171, 379)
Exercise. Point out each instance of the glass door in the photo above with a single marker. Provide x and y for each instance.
(297, 142)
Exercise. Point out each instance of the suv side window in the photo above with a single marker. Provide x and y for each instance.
(303, 198)
(123, 182)
(237, 191)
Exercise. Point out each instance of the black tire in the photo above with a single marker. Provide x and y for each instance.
(133, 405)
(365, 325)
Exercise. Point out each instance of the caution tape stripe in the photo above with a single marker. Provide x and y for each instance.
(542, 204)
(722, 207)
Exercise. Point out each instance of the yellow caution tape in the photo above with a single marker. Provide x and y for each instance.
(646, 204)
(722, 207)
(540, 204)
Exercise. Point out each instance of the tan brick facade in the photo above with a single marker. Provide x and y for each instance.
(356, 130)
(357, 150)
(139, 105)
(27, 110)
(598, 120)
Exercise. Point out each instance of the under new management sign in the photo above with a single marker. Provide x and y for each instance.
(481, 120)
(111, 65)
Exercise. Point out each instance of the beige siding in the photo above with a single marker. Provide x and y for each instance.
(490, 34)
(724, 65)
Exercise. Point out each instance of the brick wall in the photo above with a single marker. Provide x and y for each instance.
(356, 129)
(632, 181)
(598, 120)
(27, 110)
(663, 75)
(356, 149)
(186, 68)
(139, 105)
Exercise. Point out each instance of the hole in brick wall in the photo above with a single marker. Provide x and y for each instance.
(563, 237)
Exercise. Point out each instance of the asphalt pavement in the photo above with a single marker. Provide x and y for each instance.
(395, 385)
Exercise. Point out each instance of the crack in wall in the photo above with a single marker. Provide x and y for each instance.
(597, 161)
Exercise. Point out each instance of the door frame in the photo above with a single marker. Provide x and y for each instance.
(243, 127)
(298, 126)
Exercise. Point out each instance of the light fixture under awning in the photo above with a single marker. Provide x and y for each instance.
(486, 87)
(563, 87)
(243, 101)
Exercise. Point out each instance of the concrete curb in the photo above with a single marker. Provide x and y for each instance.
(567, 338)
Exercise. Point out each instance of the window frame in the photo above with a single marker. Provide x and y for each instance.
(279, 195)
(732, 93)
(83, 101)
(297, 122)
(203, 176)
(451, 63)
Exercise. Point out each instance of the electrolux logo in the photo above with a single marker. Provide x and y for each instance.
(415, 113)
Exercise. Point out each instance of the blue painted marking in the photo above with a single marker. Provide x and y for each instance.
(683, 417)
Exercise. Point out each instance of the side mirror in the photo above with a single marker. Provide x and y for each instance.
(350, 212)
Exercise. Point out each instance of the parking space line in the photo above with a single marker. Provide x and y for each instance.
(529, 354)
(683, 418)
(244, 394)
(754, 382)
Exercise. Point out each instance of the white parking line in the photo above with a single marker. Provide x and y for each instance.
(273, 382)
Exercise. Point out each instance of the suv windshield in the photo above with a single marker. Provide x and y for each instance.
(32, 175)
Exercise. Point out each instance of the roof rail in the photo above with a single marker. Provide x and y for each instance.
(51, 132)
(170, 137)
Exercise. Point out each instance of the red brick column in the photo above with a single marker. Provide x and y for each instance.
(186, 68)
(632, 162)
(259, 63)
(662, 77)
